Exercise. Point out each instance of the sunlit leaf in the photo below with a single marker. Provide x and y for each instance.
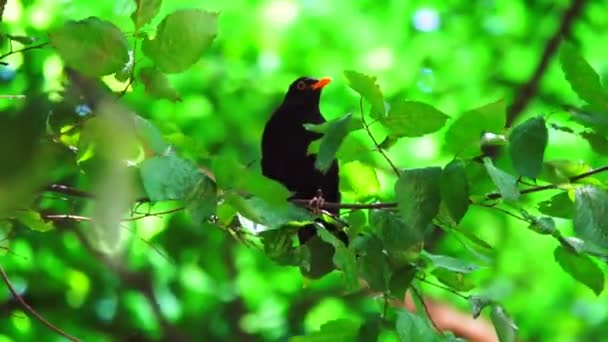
(560, 171)
(268, 215)
(413, 119)
(527, 144)
(464, 135)
(231, 175)
(581, 268)
(369, 89)
(506, 183)
(145, 11)
(451, 263)
(181, 39)
(590, 212)
(361, 179)
(33, 220)
(455, 280)
(92, 46)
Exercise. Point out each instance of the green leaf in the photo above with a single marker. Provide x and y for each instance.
(559, 205)
(463, 137)
(373, 264)
(401, 280)
(157, 84)
(231, 175)
(455, 189)
(590, 117)
(181, 39)
(150, 136)
(590, 212)
(503, 324)
(478, 303)
(361, 179)
(506, 183)
(455, 280)
(92, 46)
(370, 330)
(544, 225)
(33, 220)
(452, 264)
(527, 144)
(269, 215)
(278, 246)
(418, 196)
(582, 78)
(581, 268)
(396, 234)
(413, 119)
(330, 142)
(343, 258)
(411, 327)
(597, 141)
(367, 87)
(145, 11)
(337, 330)
(173, 178)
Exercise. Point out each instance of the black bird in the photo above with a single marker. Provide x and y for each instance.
(285, 145)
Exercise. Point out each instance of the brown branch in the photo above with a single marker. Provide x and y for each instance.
(496, 195)
(67, 190)
(530, 88)
(31, 310)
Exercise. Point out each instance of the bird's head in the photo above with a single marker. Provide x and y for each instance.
(305, 91)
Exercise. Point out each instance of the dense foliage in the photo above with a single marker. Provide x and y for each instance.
(472, 142)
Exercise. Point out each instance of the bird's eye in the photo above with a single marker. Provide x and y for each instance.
(301, 85)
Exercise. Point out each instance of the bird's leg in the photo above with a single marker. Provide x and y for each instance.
(317, 202)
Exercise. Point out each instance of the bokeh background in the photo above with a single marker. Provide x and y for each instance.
(455, 55)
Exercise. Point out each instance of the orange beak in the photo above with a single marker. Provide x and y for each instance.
(320, 83)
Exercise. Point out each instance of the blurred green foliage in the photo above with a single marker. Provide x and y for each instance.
(207, 282)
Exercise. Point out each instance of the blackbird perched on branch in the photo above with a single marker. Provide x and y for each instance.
(285, 145)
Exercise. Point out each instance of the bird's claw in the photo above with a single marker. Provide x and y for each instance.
(317, 202)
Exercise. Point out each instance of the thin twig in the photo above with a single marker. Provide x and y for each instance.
(369, 132)
(31, 310)
(422, 279)
(27, 48)
(426, 309)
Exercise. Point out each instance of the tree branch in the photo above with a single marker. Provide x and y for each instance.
(31, 310)
(369, 133)
(27, 48)
(530, 88)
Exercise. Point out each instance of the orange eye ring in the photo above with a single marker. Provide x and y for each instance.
(301, 85)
